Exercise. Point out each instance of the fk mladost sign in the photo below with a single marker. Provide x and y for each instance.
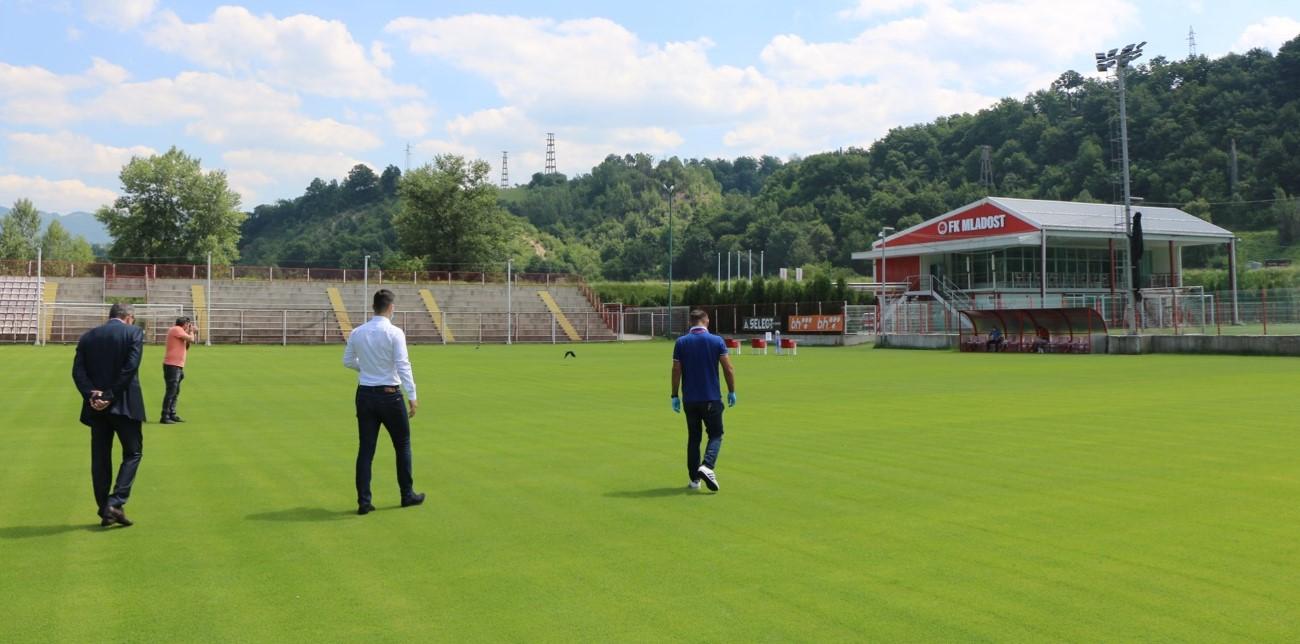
(991, 223)
(984, 220)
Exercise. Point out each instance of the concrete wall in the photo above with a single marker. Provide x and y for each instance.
(916, 341)
(1244, 345)
(1248, 345)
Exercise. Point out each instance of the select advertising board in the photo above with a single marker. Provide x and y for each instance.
(759, 324)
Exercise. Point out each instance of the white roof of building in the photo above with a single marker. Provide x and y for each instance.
(1108, 218)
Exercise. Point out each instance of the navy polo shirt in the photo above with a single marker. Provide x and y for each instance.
(698, 352)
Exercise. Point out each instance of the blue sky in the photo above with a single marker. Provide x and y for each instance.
(276, 93)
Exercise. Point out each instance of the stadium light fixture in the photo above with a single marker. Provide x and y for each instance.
(1119, 60)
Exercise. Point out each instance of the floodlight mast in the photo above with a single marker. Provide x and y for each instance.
(1120, 59)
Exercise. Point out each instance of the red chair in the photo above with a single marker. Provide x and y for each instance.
(733, 346)
(758, 343)
(791, 345)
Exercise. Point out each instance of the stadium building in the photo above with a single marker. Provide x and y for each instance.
(1001, 252)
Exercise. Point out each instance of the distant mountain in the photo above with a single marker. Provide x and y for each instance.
(76, 223)
(80, 223)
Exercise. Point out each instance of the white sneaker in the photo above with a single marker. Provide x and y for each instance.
(710, 479)
(694, 485)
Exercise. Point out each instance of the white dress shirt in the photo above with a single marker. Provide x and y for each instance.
(377, 349)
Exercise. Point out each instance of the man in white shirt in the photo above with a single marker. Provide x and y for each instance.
(377, 350)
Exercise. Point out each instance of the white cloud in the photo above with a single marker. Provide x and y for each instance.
(1269, 33)
(937, 57)
(71, 152)
(222, 110)
(869, 9)
(36, 96)
(119, 14)
(425, 150)
(54, 195)
(985, 44)
(410, 119)
(251, 170)
(910, 69)
(303, 52)
(807, 119)
(578, 147)
(594, 70)
(491, 121)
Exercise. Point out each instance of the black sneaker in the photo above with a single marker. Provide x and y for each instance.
(177, 419)
(166, 421)
(710, 479)
(365, 508)
(414, 499)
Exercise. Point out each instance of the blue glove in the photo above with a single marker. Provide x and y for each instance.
(731, 399)
(677, 405)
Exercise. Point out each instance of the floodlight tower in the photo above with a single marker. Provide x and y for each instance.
(550, 153)
(669, 187)
(1119, 59)
(505, 170)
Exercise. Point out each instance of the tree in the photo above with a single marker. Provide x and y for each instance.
(57, 244)
(1286, 212)
(389, 179)
(448, 214)
(361, 186)
(20, 230)
(171, 210)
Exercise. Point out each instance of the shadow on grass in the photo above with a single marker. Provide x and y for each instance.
(654, 493)
(302, 514)
(30, 531)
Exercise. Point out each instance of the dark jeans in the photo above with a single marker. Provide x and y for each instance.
(375, 406)
(701, 418)
(172, 376)
(104, 427)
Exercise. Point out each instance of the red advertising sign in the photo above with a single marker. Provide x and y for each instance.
(983, 220)
(816, 324)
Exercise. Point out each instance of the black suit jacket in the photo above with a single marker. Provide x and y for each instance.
(108, 359)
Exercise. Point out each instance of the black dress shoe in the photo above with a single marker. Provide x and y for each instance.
(118, 516)
(104, 522)
(414, 499)
(166, 421)
(177, 419)
(365, 508)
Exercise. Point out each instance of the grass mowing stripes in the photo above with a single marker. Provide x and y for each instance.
(883, 495)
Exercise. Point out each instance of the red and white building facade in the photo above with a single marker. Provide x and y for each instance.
(1024, 252)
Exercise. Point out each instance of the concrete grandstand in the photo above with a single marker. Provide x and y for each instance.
(552, 308)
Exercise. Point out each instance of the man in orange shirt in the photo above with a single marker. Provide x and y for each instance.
(179, 339)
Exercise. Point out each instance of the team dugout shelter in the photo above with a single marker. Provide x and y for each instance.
(1006, 253)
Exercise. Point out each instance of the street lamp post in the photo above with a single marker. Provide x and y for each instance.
(1119, 59)
(365, 285)
(884, 234)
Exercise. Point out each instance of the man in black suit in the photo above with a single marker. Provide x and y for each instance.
(108, 357)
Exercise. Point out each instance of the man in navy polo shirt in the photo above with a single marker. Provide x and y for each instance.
(696, 357)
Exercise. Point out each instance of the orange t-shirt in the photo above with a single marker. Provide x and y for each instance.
(177, 346)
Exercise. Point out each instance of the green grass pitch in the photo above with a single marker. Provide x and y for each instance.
(866, 495)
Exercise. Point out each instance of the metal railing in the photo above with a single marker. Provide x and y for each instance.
(125, 271)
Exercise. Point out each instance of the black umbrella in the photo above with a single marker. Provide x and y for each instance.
(1136, 247)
